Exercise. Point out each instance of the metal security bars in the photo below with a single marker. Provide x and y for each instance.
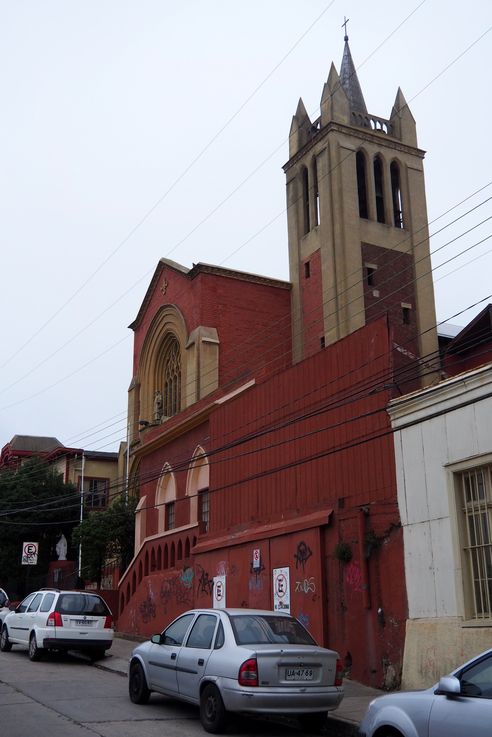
(476, 489)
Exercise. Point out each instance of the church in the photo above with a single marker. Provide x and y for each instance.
(260, 447)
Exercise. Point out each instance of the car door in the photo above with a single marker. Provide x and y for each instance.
(163, 656)
(17, 625)
(30, 617)
(469, 713)
(194, 655)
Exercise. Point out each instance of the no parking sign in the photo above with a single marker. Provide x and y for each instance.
(219, 593)
(29, 554)
(281, 589)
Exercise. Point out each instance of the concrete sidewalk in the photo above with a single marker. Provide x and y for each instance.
(343, 721)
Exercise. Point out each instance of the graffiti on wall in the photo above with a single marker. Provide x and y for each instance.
(177, 589)
(308, 586)
(353, 576)
(302, 554)
(205, 582)
(147, 609)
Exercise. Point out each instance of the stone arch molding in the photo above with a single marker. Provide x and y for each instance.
(167, 322)
(199, 360)
(196, 480)
(165, 493)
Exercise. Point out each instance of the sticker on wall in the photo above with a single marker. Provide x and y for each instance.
(219, 592)
(256, 559)
(281, 590)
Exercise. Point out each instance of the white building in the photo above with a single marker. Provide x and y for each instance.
(443, 448)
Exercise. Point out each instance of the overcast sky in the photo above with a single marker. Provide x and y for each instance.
(132, 130)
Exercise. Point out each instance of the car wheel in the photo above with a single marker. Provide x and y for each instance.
(314, 721)
(137, 684)
(212, 710)
(5, 644)
(35, 652)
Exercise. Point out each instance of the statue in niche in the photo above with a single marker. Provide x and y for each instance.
(158, 405)
(61, 547)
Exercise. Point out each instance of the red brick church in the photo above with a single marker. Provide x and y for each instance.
(260, 446)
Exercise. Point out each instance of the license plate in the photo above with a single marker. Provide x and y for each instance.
(83, 622)
(299, 674)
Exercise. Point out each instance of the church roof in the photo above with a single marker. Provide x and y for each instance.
(350, 81)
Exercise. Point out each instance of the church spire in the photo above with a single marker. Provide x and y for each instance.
(349, 79)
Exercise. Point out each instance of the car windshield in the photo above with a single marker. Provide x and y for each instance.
(87, 604)
(255, 629)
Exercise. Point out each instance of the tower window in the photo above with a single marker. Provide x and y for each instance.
(379, 189)
(305, 200)
(322, 342)
(307, 269)
(370, 274)
(396, 195)
(406, 314)
(360, 162)
(315, 191)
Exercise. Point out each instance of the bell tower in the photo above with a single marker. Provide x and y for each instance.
(357, 225)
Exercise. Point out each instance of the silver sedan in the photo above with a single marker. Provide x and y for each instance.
(239, 660)
(460, 705)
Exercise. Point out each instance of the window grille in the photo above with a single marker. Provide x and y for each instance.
(476, 499)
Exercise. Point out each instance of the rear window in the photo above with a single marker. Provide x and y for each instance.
(255, 629)
(88, 604)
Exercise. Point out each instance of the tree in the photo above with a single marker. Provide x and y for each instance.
(106, 536)
(35, 506)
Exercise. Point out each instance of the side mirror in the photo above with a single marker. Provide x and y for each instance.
(448, 686)
(156, 639)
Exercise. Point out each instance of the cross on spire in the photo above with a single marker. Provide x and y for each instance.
(344, 25)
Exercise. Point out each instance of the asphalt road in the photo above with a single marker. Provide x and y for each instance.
(66, 696)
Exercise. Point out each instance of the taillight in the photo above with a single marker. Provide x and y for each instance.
(339, 673)
(108, 623)
(248, 673)
(54, 620)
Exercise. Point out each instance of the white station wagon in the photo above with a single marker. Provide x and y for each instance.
(50, 619)
(239, 660)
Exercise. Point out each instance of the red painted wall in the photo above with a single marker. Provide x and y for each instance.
(312, 440)
(252, 318)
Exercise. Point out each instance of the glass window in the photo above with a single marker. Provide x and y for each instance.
(25, 603)
(3, 598)
(202, 632)
(475, 490)
(204, 509)
(477, 680)
(254, 629)
(34, 604)
(95, 493)
(220, 637)
(170, 516)
(47, 603)
(172, 377)
(175, 633)
(84, 604)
